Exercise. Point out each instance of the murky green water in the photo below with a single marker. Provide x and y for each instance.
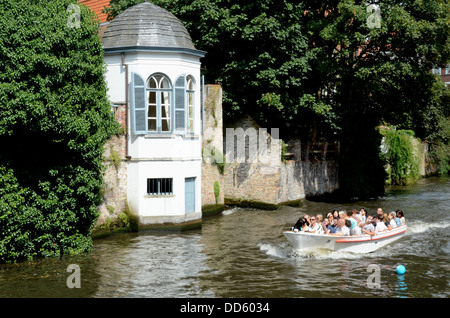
(243, 253)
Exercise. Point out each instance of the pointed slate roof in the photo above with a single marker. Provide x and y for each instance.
(147, 27)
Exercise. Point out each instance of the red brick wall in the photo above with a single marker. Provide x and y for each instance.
(444, 77)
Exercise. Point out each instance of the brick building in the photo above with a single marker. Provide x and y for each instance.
(444, 74)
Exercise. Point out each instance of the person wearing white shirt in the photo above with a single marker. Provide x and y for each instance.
(356, 230)
(315, 227)
(363, 214)
(392, 221)
(368, 227)
(381, 227)
(342, 230)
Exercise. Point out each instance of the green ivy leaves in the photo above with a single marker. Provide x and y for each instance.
(55, 119)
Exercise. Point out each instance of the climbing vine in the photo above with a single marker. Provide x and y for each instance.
(403, 162)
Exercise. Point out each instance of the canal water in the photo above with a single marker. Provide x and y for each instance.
(242, 253)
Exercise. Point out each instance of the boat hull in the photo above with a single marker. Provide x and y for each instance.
(354, 244)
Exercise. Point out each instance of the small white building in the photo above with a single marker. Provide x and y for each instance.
(153, 69)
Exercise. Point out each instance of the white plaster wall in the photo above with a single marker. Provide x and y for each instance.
(115, 78)
(158, 155)
(173, 147)
(148, 205)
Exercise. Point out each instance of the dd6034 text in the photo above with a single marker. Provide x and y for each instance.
(246, 307)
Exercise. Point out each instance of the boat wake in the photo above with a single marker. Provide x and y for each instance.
(280, 251)
(285, 251)
(416, 227)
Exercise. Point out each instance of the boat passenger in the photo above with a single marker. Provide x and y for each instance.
(368, 227)
(357, 229)
(301, 225)
(298, 225)
(392, 216)
(319, 218)
(333, 227)
(348, 224)
(363, 214)
(305, 227)
(379, 211)
(401, 217)
(352, 219)
(342, 230)
(307, 218)
(335, 214)
(326, 224)
(386, 221)
(330, 217)
(315, 227)
(380, 225)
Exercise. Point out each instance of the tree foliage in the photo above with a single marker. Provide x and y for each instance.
(55, 119)
(376, 74)
(434, 127)
(323, 65)
(401, 156)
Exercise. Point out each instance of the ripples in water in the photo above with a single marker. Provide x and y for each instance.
(243, 253)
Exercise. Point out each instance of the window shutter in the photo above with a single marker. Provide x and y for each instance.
(180, 104)
(138, 105)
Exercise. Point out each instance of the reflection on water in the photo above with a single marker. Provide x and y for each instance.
(151, 265)
(243, 253)
(402, 288)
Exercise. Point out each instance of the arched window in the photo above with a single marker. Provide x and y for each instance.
(159, 96)
(152, 104)
(190, 90)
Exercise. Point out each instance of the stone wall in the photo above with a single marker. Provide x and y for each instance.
(288, 182)
(427, 167)
(210, 174)
(302, 179)
(212, 149)
(307, 169)
(114, 178)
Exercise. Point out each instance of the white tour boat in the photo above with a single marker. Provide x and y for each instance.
(356, 244)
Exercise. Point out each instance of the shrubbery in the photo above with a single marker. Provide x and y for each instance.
(401, 157)
(55, 119)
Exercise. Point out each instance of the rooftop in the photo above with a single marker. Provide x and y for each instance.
(146, 26)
